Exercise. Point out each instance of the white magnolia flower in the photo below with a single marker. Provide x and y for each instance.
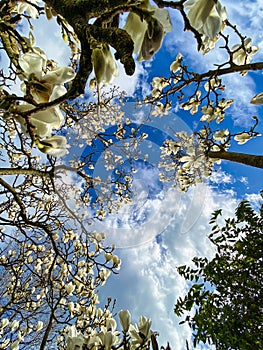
(242, 138)
(208, 44)
(74, 339)
(221, 135)
(206, 16)
(140, 334)
(33, 63)
(43, 122)
(44, 87)
(243, 54)
(258, 99)
(39, 326)
(26, 7)
(125, 319)
(159, 83)
(104, 64)
(177, 63)
(56, 146)
(148, 35)
(212, 83)
(108, 339)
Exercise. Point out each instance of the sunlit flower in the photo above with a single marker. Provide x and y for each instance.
(175, 66)
(74, 339)
(43, 122)
(104, 65)
(206, 16)
(221, 135)
(160, 109)
(210, 113)
(108, 339)
(56, 146)
(26, 7)
(242, 54)
(43, 87)
(242, 138)
(208, 44)
(258, 99)
(148, 35)
(33, 63)
(125, 319)
(213, 83)
(140, 334)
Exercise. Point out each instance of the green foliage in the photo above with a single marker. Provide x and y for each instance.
(224, 305)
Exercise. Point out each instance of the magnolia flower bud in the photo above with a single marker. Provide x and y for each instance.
(105, 67)
(125, 319)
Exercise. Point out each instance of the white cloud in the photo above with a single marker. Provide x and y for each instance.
(255, 200)
(49, 39)
(148, 282)
(241, 110)
(220, 177)
(130, 84)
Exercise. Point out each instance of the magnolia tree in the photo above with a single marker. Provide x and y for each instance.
(52, 263)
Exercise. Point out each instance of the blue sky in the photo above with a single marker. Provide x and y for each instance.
(148, 283)
(163, 229)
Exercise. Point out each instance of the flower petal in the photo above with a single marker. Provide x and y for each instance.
(258, 99)
(32, 63)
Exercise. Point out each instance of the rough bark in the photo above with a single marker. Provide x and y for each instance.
(78, 13)
(247, 159)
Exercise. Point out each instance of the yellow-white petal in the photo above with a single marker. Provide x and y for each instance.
(258, 99)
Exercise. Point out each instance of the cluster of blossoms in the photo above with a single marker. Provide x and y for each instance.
(74, 278)
(242, 54)
(213, 110)
(43, 82)
(137, 336)
(184, 161)
(216, 113)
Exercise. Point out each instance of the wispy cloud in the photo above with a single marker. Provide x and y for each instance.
(149, 283)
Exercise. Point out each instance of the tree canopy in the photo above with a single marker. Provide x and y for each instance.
(52, 263)
(226, 296)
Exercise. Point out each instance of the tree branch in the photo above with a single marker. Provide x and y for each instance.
(247, 159)
(21, 171)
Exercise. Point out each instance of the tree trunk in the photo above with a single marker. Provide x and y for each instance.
(248, 159)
